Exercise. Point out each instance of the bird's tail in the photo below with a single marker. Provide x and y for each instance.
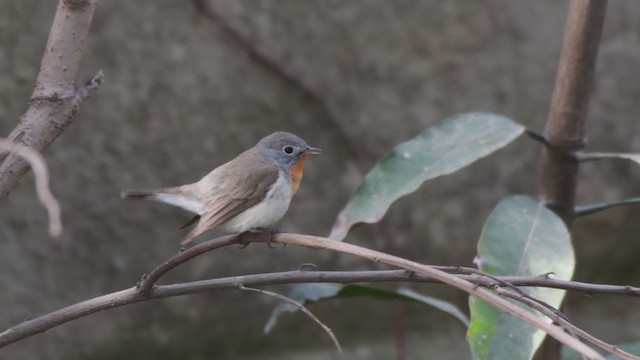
(140, 194)
(181, 196)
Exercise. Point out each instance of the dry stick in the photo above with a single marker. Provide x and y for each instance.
(132, 295)
(271, 65)
(301, 307)
(561, 319)
(55, 100)
(449, 279)
(41, 173)
(376, 256)
(136, 294)
(565, 130)
(542, 280)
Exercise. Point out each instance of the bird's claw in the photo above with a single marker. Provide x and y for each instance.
(241, 241)
(271, 233)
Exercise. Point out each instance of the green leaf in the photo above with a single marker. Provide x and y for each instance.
(585, 210)
(311, 292)
(521, 237)
(442, 149)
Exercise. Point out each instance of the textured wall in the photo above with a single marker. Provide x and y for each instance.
(181, 97)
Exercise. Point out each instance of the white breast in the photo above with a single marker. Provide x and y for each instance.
(265, 213)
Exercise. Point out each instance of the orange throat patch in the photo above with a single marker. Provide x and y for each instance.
(296, 173)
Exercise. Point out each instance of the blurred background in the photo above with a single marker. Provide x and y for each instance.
(181, 97)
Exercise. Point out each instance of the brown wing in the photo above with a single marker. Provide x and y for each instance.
(245, 183)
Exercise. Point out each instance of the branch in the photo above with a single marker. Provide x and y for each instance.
(304, 310)
(565, 130)
(133, 295)
(566, 126)
(561, 319)
(449, 279)
(145, 289)
(37, 163)
(55, 100)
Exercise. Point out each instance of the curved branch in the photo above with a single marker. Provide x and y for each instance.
(417, 272)
(55, 100)
(557, 316)
(182, 256)
(41, 173)
(449, 279)
(133, 295)
(376, 256)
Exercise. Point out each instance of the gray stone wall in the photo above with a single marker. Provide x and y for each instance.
(181, 97)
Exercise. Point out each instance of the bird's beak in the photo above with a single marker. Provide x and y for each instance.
(313, 150)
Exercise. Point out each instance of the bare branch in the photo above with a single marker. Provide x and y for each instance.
(557, 316)
(41, 173)
(566, 126)
(182, 256)
(376, 256)
(55, 100)
(565, 130)
(301, 307)
(132, 295)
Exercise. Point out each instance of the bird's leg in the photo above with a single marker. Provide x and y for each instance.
(241, 239)
(271, 233)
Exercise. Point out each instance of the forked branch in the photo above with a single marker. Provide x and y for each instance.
(146, 289)
(55, 100)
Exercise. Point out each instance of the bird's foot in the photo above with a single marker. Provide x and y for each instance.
(271, 233)
(242, 239)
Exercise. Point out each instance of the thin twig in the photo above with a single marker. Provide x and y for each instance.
(41, 173)
(536, 136)
(267, 62)
(376, 256)
(132, 295)
(301, 307)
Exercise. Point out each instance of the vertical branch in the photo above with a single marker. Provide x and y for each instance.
(55, 100)
(565, 128)
(565, 131)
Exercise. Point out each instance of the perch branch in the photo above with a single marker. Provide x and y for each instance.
(37, 163)
(304, 310)
(55, 100)
(134, 294)
(376, 256)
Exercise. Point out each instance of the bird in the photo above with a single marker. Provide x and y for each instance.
(248, 193)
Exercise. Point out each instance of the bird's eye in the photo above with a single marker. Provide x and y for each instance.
(288, 150)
